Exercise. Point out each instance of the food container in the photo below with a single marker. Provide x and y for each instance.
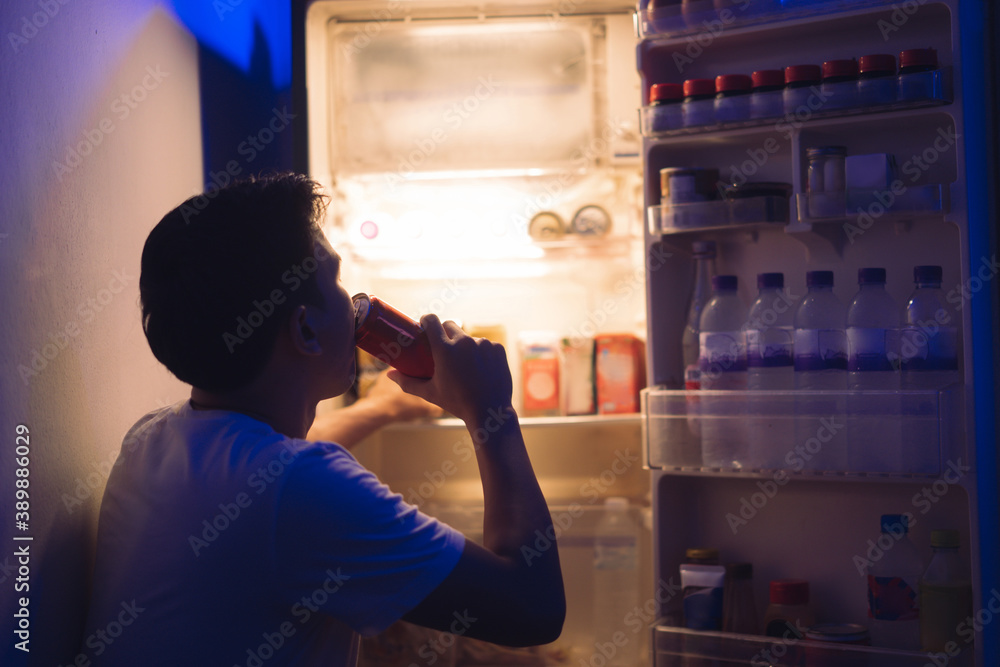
(621, 373)
(684, 185)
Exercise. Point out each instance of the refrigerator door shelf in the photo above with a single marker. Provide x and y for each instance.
(910, 91)
(735, 214)
(680, 647)
(895, 202)
(830, 434)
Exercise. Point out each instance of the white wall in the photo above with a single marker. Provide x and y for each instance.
(70, 243)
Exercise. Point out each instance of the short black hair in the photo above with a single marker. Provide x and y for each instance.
(211, 269)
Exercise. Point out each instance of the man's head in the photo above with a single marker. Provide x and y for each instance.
(225, 274)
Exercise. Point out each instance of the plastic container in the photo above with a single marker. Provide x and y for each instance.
(838, 75)
(699, 102)
(616, 577)
(872, 340)
(827, 181)
(821, 365)
(916, 74)
(877, 82)
(929, 339)
(722, 362)
(766, 97)
(802, 93)
(732, 98)
(893, 584)
(788, 615)
(739, 612)
(704, 269)
(666, 100)
(945, 594)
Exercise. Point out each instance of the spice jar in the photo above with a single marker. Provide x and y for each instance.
(699, 102)
(732, 98)
(917, 78)
(788, 615)
(666, 100)
(840, 84)
(877, 80)
(766, 98)
(801, 83)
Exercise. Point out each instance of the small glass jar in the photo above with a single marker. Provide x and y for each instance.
(666, 101)
(767, 98)
(732, 98)
(827, 181)
(840, 84)
(917, 78)
(739, 612)
(699, 102)
(788, 615)
(877, 81)
(802, 88)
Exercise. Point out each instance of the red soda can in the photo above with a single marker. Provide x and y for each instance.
(392, 337)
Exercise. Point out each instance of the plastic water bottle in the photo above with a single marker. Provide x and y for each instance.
(893, 585)
(769, 336)
(723, 366)
(945, 594)
(874, 435)
(820, 366)
(820, 340)
(928, 344)
(769, 339)
(704, 269)
(616, 583)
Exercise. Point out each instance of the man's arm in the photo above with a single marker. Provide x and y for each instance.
(514, 592)
(383, 405)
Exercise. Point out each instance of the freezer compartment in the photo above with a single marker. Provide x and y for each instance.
(905, 91)
(680, 647)
(833, 433)
(718, 215)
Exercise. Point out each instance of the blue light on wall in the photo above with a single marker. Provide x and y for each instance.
(227, 27)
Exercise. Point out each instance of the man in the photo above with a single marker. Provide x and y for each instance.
(226, 537)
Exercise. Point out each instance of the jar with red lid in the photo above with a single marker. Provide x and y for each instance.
(840, 84)
(918, 77)
(732, 98)
(802, 88)
(699, 102)
(767, 93)
(788, 615)
(877, 80)
(666, 101)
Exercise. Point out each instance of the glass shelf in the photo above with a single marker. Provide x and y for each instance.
(681, 647)
(904, 434)
(723, 214)
(774, 111)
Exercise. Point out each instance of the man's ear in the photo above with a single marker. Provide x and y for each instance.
(302, 330)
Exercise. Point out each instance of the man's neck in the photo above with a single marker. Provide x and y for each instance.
(288, 412)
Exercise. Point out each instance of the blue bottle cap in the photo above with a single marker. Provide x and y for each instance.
(871, 276)
(891, 523)
(819, 279)
(724, 283)
(770, 280)
(927, 274)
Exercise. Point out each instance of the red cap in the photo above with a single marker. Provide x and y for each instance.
(879, 62)
(699, 87)
(665, 91)
(789, 591)
(796, 73)
(833, 68)
(768, 77)
(918, 57)
(728, 82)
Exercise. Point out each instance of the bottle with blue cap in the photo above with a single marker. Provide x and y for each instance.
(893, 586)
(928, 344)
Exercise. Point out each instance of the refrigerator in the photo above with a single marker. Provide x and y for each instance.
(500, 165)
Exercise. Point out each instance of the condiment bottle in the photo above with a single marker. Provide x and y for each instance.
(732, 98)
(739, 612)
(840, 84)
(877, 79)
(917, 80)
(945, 594)
(788, 615)
(699, 102)
(801, 84)
(668, 112)
(766, 98)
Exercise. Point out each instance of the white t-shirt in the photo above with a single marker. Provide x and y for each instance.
(226, 544)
